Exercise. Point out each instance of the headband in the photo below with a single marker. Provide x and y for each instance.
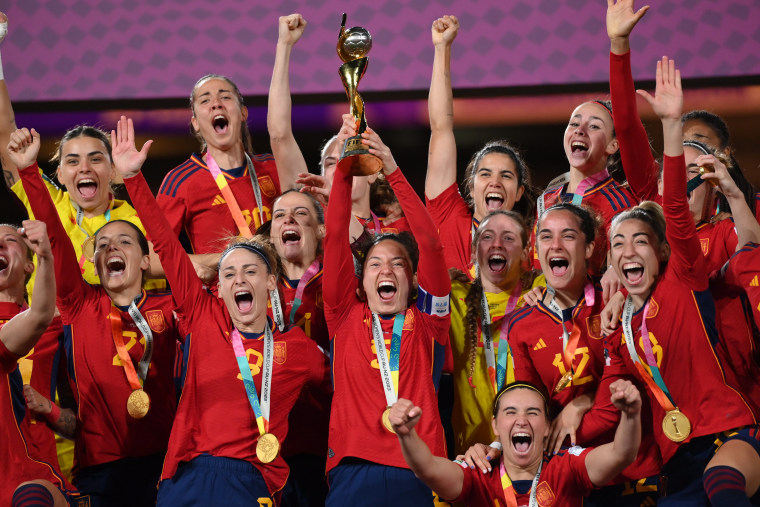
(517, 385)
(250, 248)
(601, 103)
(697, 146)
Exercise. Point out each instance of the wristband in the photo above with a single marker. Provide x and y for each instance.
(496, 445)
(55, 414)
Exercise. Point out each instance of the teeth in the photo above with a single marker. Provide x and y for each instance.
(242, 293)
(290, 236)
(219, 117)
(578, 144)
(632, 265)
(521, 435)
(385, 284)
(86, 181)
(493, 195)
(497, 257)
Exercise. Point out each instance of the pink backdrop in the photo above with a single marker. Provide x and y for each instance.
(105, 49)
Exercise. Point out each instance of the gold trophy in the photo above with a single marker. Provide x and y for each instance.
(353, 46)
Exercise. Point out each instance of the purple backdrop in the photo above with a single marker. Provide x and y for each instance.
(96, 49)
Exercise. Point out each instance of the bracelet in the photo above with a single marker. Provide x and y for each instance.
(55, 414)
(495, 445)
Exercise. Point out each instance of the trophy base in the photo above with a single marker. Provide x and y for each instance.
(356, 160)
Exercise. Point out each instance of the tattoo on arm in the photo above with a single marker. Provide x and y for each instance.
(9, 178)
(67, 424)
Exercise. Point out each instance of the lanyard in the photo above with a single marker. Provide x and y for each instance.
(570, 340)
(135, 377)
(260, 410)
(654, 378)
(580, 190)
(497, 371)
(509, 489)
(308, 275)
(389, 366)
(229, 197)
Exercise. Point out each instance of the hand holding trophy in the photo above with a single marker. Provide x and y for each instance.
(353, 46)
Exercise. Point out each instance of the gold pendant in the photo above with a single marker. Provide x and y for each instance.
(386, 420)
(267, 448)
(676, 425)
(563, 382)
(138, 404)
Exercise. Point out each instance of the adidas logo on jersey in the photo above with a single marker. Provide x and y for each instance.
(540, 345)
(218, 200)
(754, 283)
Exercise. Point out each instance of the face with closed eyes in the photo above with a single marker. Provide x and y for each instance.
(15, 264)
(295, 231)
(521, 425)
(119, 259)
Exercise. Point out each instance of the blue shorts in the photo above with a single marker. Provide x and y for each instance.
(214, 480)
(682, 475)
(628, 494)
(359, 482)
(128, 482)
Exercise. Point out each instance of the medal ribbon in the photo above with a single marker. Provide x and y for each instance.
(509, 489)
(570, 341)
(226, 191)
(308, 275)
(135, 377)
(587, 183)
(376, 221)
(497, 371)
(654, 380)
(260, 410)
(389, 364)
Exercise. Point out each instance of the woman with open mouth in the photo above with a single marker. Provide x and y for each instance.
(226, 186)
(243, 374)
(525, 475)
(496, 177)
(119, 342)
(480, 311)
(296, 231)
(705, 430)
(366, 318)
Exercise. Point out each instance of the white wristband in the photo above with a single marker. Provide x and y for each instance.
(495, 445)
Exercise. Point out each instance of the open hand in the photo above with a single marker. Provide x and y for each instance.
(667, 102)
(126, 158)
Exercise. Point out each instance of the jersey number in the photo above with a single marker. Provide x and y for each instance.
(578, 379)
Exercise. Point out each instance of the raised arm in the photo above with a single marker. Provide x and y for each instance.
(21, 333)
(338, 260)
(432, 273)
(177, 265)
(442, 157)
(22, 151)
(442, 476)
(745, 223)
(7, 118)
(287, 154)
(607, 461)
(641, 169)
(686, 254)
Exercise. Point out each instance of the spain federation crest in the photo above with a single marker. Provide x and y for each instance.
(156, 320)
(280, 352)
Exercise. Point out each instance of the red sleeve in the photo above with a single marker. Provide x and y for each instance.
(338, 271)
(686, 259)
(8, 360)
(68, 278)
(432, 274)
(524, 369)
(448, 203)
(185, 284)
(603, 417)
(641, 169)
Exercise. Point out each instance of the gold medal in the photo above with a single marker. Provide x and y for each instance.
(563, 382)
(386, 420)
(676, 425)
(138, 404)
(267, 448)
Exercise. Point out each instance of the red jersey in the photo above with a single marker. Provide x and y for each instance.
(607, 198)
(39, 368)
(681, 324)
(454, 221)
(193, 203)
(310, 417)
(742, 271)
(105, 432)
(16, 464)
(359, 399)
(214, 415)
(535, 336)
(564, 481)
